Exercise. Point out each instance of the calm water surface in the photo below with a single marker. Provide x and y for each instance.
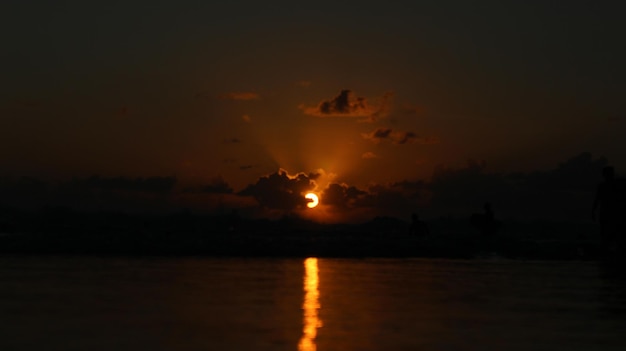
(73, 303)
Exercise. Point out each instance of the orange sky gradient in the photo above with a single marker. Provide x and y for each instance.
(364, 96)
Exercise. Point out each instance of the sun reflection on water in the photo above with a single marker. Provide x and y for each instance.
(310, 306)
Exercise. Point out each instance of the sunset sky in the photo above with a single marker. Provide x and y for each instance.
(356, 94)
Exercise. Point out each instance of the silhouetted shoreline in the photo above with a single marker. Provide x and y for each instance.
(186, 234)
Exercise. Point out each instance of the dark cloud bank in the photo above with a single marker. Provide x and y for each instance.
(281, 191)
(563, 193)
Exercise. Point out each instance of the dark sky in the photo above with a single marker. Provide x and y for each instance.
(358, 94)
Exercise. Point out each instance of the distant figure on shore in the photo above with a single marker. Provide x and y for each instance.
(609, 208)
(418, 228)
(486, 221)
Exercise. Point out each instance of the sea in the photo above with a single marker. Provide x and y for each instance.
(307, 304)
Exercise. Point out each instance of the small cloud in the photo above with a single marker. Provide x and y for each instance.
(369, 155)
(377, 135)
(304, 83)
(399, 137)
(246, 118)
(346, 104)
(240, 96)
(246, 167)
(232, 141)
(383, 108)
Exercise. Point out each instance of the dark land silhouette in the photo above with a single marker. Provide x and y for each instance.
(63, 231)
(609, 210)
(418, 227)
(485, 222)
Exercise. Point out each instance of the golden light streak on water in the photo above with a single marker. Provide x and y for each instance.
(310, 306)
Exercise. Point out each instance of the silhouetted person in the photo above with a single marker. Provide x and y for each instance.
(486, 221)
(418, 228)
(610, 202)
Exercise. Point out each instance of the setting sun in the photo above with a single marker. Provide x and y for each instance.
(314, 200)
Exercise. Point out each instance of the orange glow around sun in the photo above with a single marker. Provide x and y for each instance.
(314, 200)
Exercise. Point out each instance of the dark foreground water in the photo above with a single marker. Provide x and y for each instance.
(74, 303)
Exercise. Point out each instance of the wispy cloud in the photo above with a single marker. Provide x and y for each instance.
(398, 137)
(377, 135)
(240, 96)
(346, 104)
(232, 141)
(404, 137)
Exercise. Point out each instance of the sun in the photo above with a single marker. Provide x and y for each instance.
(314, 200)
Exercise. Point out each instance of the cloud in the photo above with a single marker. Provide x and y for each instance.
(247, 167)
(341, 195)
(346, 104)
(565, 192)
(240, 96)
(246, 118)
(382, 111)
(396, 198)
(398, 137)
(369, 155)
(404, 137)
(282, 191)
(392, 199)
(562, 193)
(377, 135)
